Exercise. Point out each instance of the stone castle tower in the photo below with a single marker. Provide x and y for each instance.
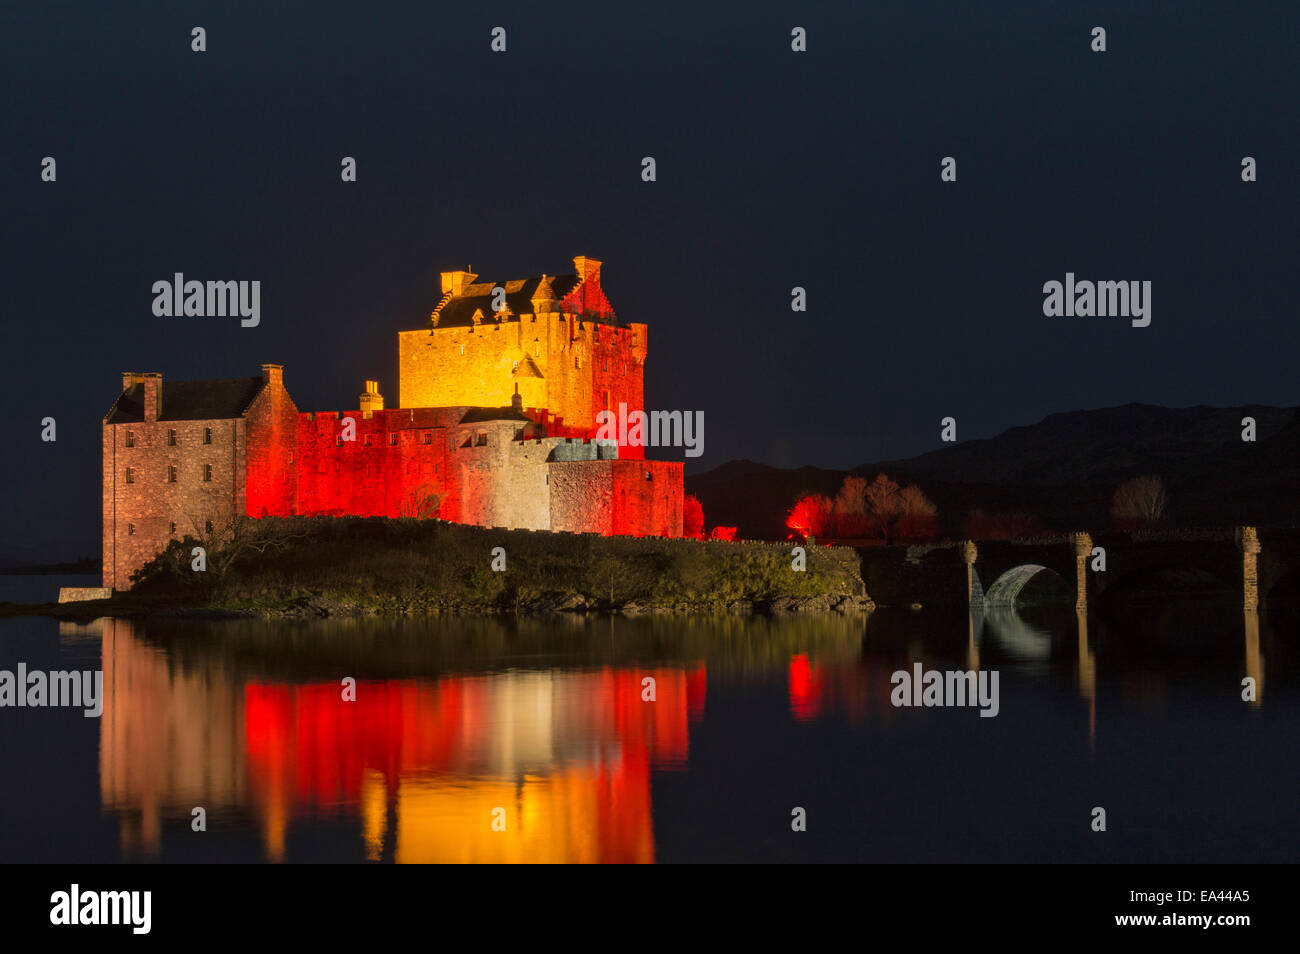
(552, 339)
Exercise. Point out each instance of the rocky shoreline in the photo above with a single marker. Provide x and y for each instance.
(321, 607)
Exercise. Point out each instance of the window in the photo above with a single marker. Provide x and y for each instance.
(130, 438)
(369, 439)
(130, 529)
(130, 475)
(606, 400)
(171, 437)
(338, 441)
(172, 528)
(171, 473)
(392, 440)
(481, 439)
(428, 438)
(647, 475)
(207, 526)
(207, 435)
(207, 471)
(462, 349)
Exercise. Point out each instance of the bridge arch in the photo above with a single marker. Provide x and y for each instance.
(1007, 588)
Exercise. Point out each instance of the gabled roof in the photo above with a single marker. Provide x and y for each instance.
(528, 368)
(217, 399)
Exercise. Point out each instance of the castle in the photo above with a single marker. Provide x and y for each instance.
(496, 427)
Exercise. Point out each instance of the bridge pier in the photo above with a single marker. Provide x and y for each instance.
(1082, 553)
(1248, 540)
(968, 554)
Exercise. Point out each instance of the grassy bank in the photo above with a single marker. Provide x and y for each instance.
(349, 566)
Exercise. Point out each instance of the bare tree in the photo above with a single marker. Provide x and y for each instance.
(883, 506)
(916, 512)
(1141, 499)
(227, 535)
(421, 504)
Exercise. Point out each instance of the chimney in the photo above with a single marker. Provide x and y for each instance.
(273, 374)
(455, 283)
(130, 379)
(517, 400)
(587, 268)
(372, 400)
(152, 395)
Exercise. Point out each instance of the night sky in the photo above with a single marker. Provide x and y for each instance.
(775, 169)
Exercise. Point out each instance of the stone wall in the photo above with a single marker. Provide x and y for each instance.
(142, 515)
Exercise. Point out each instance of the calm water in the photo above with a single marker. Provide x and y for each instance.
(454, 720)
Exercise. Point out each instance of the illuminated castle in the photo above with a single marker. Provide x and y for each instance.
(499, 395)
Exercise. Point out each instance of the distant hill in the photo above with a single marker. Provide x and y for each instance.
(1062, 471)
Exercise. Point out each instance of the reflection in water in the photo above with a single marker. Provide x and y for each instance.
(544, 725)
(566, 755)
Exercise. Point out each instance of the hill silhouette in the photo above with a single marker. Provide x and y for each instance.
(1060, 472)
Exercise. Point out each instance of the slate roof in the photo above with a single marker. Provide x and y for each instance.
(189, 400)
(460, 310)
(482, 414)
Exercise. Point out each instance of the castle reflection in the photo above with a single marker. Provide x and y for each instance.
(561, 760)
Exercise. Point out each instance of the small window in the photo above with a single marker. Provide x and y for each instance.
(207, 435)
(291, 457)
(370, 439)
(462, 349)
(207, 472)
(338, 441)
(171, 473)
(130, 529)
(606, 362)
(207, 526)
(647, 475)
(171, 437)
(481, 439)
(428, 437)
(392, 440)
(171, 528)
(130, 475)
(130, 438)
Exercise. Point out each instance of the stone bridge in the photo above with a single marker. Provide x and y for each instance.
(993, 573)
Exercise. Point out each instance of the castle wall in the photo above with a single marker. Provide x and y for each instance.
(272, 423)
(617, 497)
(142, 516)
(398, 455)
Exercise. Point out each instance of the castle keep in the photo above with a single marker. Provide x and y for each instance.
(498, 398)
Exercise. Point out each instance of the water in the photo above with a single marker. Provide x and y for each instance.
(542, 725)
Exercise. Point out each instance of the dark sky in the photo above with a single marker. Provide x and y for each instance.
(775, 169)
